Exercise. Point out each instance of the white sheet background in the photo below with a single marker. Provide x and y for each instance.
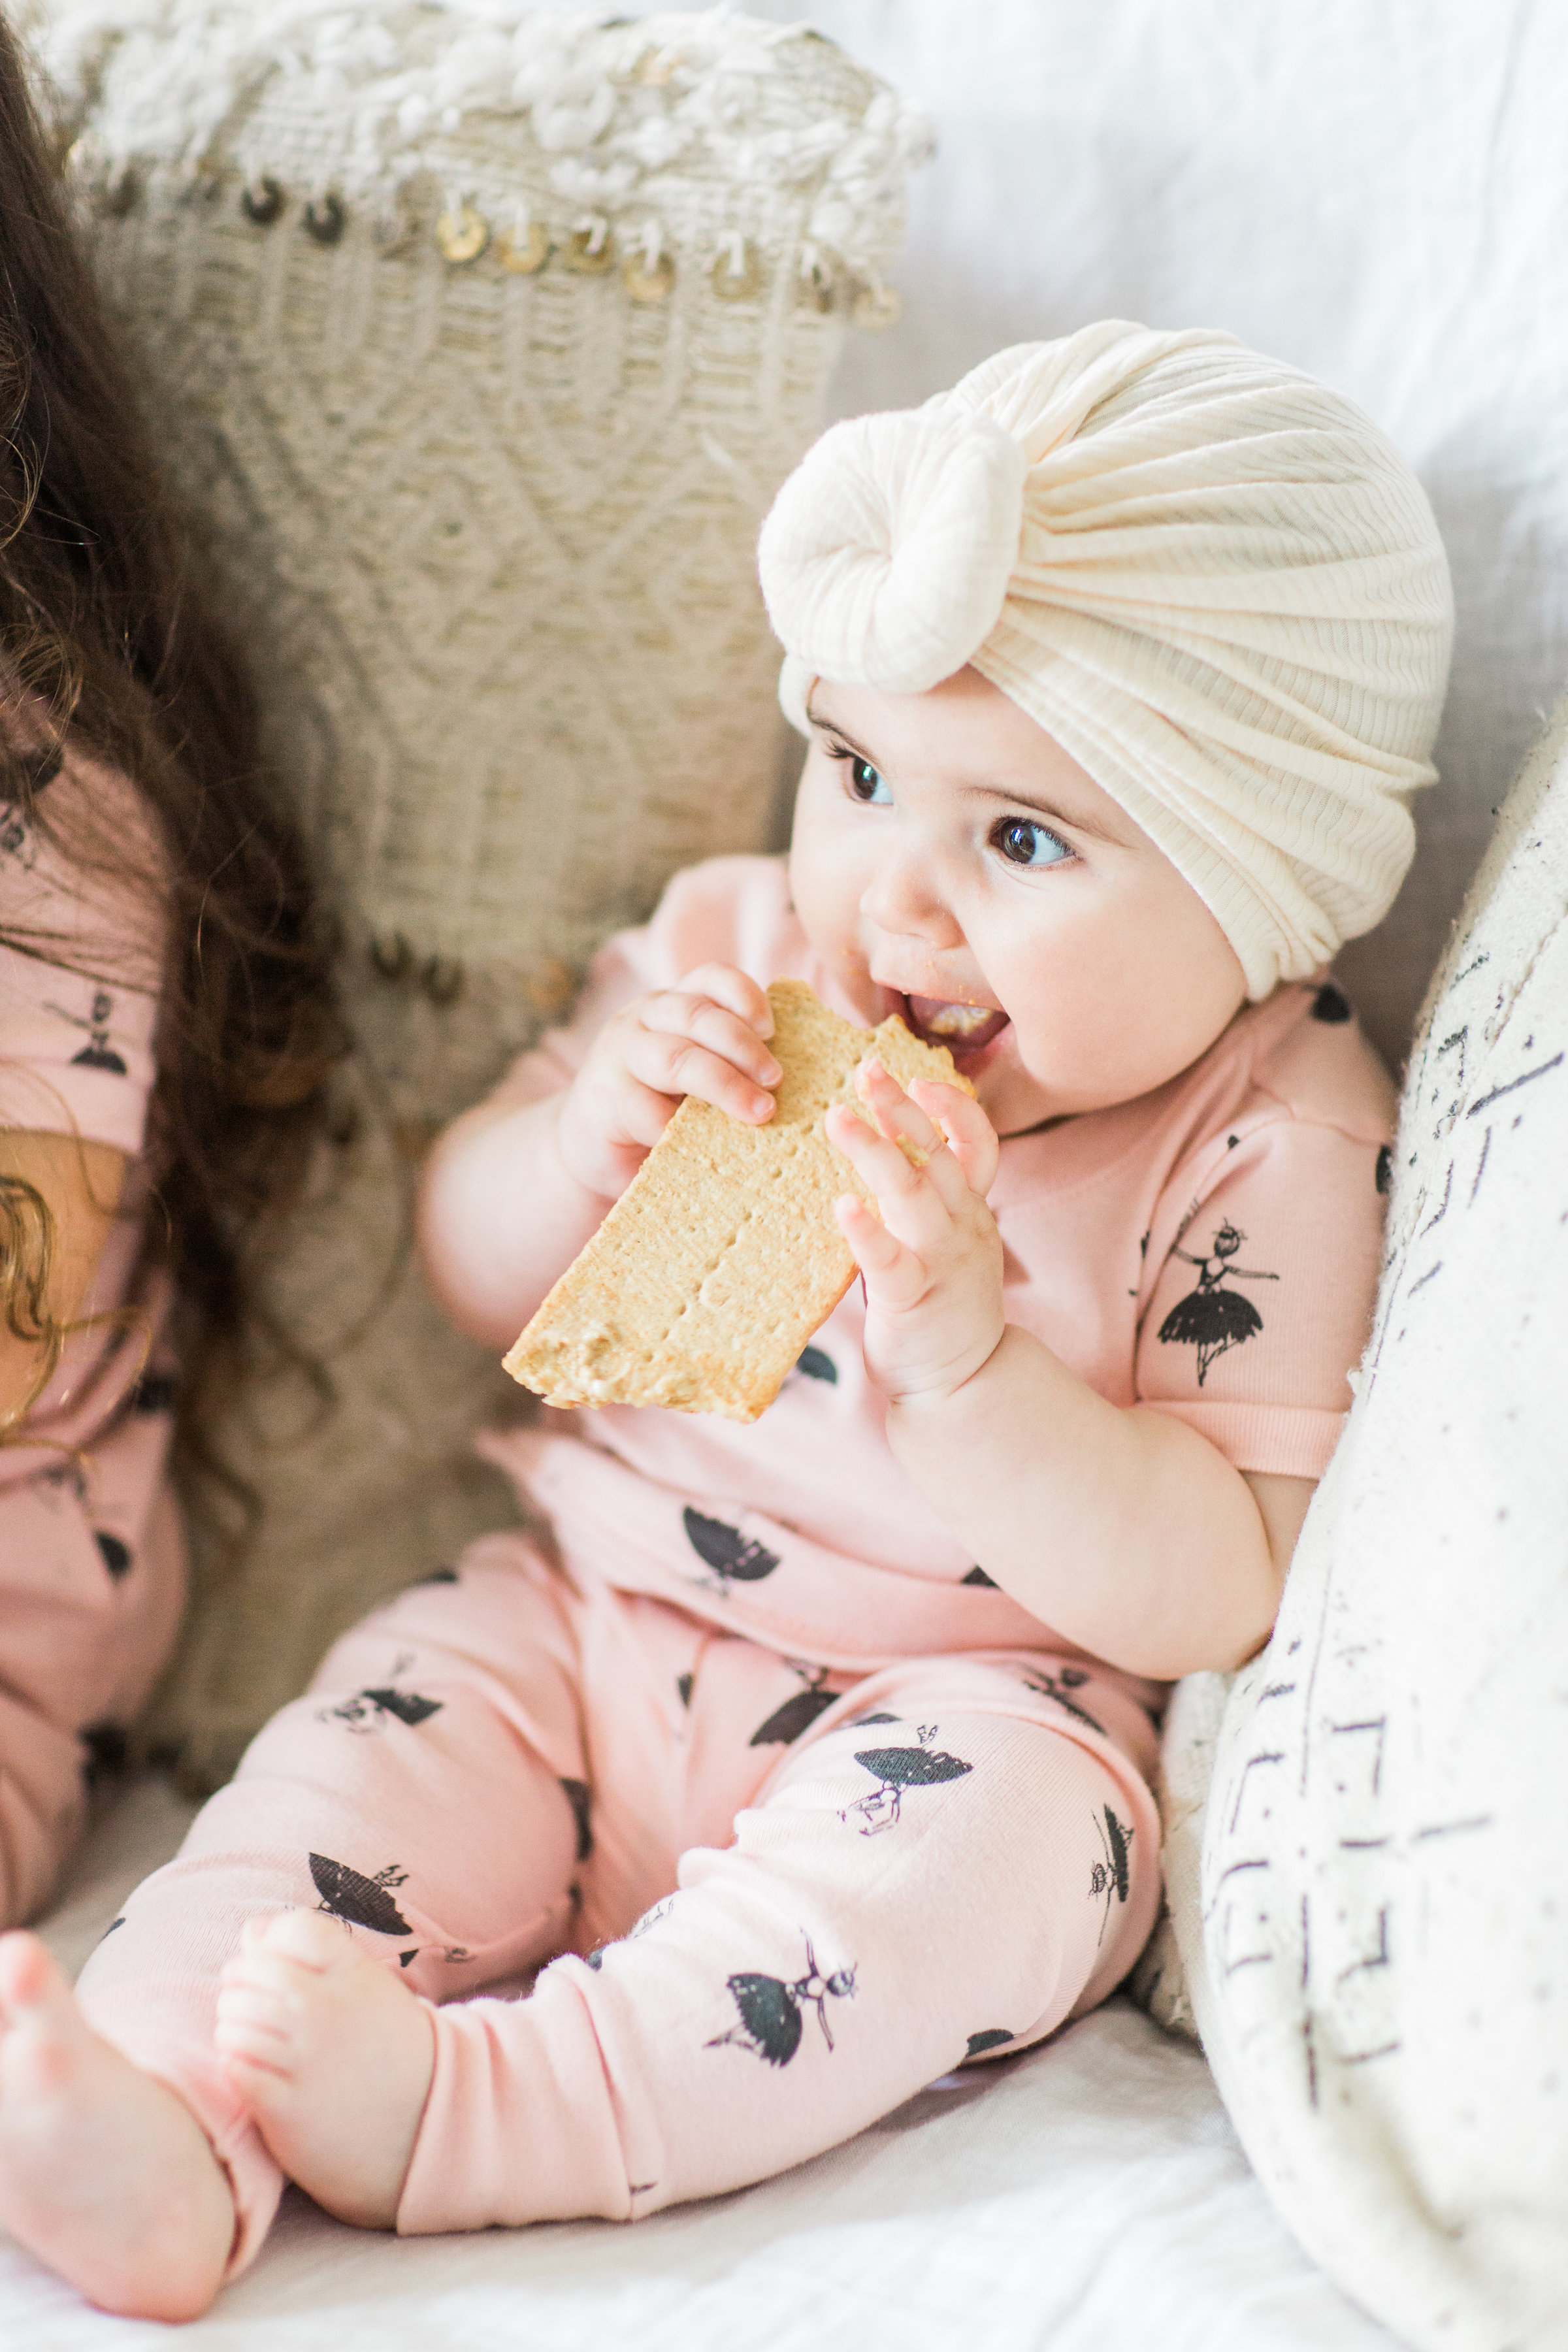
(1374, 189)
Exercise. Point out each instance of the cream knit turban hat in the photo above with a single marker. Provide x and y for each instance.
(1212, 580)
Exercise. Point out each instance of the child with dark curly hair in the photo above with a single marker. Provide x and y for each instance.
(165, 1024)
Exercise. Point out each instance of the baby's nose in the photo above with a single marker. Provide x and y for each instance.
(902, 898)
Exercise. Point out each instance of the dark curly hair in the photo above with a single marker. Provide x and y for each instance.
(109, 646)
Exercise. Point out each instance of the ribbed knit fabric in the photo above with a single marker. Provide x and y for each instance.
(1210, 578)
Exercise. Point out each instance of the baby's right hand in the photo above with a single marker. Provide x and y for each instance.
(702, 1038)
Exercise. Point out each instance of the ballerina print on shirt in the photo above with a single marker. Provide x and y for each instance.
(1212, 1318)
(99, 1052)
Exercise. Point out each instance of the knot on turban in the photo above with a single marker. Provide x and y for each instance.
(1211, 579)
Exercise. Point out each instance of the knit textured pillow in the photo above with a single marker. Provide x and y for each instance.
(479, 342)
(1375, 1946)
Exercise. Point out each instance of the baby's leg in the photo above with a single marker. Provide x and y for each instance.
(414, 1802)
(952, 1878)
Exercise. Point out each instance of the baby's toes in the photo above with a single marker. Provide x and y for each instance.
(31, 1986)
(309, 1938)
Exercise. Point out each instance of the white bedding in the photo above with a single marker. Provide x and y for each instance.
(1089, 2197)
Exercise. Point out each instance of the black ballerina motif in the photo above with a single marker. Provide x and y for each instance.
(1110, 1878)
(363, 1902)
(372, 1710)
(798, 1713)
(15, 833)
(98, 1053)
(818, 1365)
(733, 1559)
(996, 2037)
(1061, 1688)
(896, 1770)
(770, 2010)
(1209, 1318)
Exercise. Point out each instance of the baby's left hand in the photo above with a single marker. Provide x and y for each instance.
(933, 1266)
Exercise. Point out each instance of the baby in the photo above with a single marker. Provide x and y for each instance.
(809, 1760)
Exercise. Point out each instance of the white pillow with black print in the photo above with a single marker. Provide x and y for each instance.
(1374, 1946)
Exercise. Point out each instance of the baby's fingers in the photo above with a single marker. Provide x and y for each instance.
(687, 1045)
(894, 1276)
(686, 1014)
(891, 1108)
(904, 1121)
(970, 1135)
(674, 1064)
(728, 985)
(911, 1205)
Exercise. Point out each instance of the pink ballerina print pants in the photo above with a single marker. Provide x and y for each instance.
(767, 1902)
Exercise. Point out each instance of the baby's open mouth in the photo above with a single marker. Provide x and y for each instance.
(961, 1028)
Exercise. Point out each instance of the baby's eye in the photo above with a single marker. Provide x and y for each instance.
(863, 783)
(1022, 841)
(866, 784)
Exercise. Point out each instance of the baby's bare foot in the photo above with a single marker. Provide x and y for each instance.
(334, 2057)
(104, 2174)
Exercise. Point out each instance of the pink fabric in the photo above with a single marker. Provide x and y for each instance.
(840, 1814)
(91, 1558)
(1275, 1137)
(783, 1899)
(78, 997)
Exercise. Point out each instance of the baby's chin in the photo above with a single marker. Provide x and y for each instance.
(1011, 1098)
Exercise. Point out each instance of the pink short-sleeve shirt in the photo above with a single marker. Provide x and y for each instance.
(1208, 1251)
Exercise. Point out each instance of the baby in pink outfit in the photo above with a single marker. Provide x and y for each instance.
(805, 1761)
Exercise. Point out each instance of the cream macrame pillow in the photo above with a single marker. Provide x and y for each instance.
(1375, 1950)
(479, 342)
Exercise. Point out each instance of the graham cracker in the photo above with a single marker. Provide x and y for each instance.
(722, 1255)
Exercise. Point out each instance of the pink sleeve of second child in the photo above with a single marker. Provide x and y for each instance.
(91, 1555)
(80, 954)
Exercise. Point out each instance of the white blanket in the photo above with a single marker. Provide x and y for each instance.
(1089, 2197)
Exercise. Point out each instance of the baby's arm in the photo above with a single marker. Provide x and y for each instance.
(517, 1186)
(61, 1191)
(1122, 1528)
